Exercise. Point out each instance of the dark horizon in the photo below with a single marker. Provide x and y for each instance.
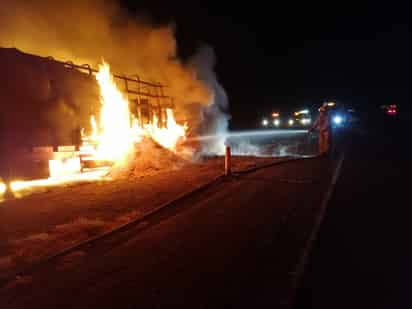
(297, 55)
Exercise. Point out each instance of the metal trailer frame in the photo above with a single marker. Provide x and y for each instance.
(147, 99)
(139, 93)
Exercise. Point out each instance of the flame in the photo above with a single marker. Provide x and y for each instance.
(98, 174)
(119, 130)
(112, 139)
(94, 127)
(2, 188)
(116, 135)
(169, 136)
(58, 168)
(21, 188)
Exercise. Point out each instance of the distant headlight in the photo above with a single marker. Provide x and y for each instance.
(337, 119)
(291, 122)
(276, 122)
(265, 122)
(305, 121)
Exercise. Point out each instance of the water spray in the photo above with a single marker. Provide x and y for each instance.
(246, 134)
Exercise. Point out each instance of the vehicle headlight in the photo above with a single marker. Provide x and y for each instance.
(291, 122)
(265, 122)
(337, 119)
(305, 121)
(276, 122)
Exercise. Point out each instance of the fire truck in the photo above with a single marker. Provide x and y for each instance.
(45, 105)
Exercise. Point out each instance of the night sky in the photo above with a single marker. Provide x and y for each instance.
(290, 54)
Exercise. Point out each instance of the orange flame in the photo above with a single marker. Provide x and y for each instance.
(167, 137)
(2, 188)
(118, 130)
(114, 135)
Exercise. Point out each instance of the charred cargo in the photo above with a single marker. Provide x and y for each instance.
(46, 103)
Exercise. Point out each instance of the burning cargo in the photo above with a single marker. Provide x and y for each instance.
(55, 116)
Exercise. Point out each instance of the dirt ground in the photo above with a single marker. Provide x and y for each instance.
(54, 218)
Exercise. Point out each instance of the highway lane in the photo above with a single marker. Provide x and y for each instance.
(237, 244)
(362, 257)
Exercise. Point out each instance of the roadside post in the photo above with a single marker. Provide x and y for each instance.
(228, 167)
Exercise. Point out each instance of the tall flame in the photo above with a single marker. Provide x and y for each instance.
(117, 129)
(112, 138)
(115, 136)
(169, 136)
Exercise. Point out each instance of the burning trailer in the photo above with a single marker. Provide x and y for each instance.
(60, 118)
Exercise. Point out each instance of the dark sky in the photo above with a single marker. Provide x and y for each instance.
(274, 54)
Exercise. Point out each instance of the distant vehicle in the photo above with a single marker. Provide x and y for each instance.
(296, 119)
(276, 119)
(390, 110)
(300, 119)
(265, 122)
(338, 114)
(341, 116)
(272, 122)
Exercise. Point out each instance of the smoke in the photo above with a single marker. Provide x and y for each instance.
(215, 116)
(248, 148)
(265, 143)
(87, 31)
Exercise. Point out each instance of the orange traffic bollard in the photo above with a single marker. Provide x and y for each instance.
(228, 167)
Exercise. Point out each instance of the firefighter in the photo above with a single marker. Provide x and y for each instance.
(324, 125)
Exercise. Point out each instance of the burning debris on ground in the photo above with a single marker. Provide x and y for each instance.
(147, 158)
(41, 224)
(91, 133)
(92, 130)
(62, 117)
(105, 134)
(108, 140)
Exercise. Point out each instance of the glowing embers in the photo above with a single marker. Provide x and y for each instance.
(18, 186)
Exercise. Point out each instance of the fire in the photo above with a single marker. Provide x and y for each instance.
(115, 139)
(2, 188)
(113, 136)
(94, 127)
(167, 137)
(118, 129)
(58, 168)
(98, 174)
(24, 187)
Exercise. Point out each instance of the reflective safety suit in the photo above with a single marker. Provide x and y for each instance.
(323, 124)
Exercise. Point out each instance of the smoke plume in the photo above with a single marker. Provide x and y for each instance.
(215, 115)
(85, 31)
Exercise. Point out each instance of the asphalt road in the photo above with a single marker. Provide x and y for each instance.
(236, 245)
(362, 257)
